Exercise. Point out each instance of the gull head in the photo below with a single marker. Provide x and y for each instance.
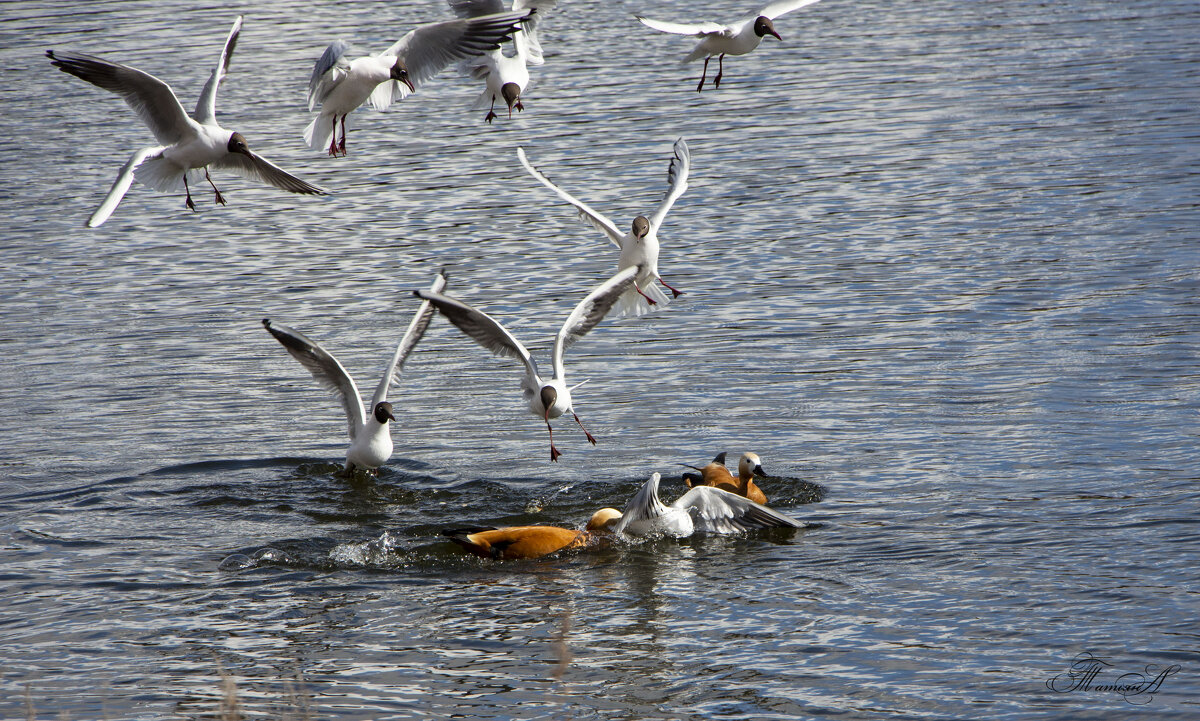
(512, 96)
(399, 73)
(549, 396)
(641, 227)
(763, 27)
(383, 412)
(237, 144)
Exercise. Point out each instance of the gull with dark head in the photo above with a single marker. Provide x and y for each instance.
(639, 247)
(370, 432)
(736, 38)
(506, 76)
(547, 397)
(187, 144)
(339, 84)
(702, 509)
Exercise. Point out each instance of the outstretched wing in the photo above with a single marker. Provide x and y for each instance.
(677, 177)
(256, 167)
(590, 311)
(586, 214)
(481, 327)
(325, 368)
(121, 185)
(697, 29)
(416, 329)
(644, 506)
(328, 71)
(206, 106)
(781, 7)
(428, 48)
(152, 99)
(716, 511)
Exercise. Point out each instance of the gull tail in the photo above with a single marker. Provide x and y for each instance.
(319, 132)
(632, 304)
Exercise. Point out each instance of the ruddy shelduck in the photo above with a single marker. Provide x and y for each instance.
(514, 542)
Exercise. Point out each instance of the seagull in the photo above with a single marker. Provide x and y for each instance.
(716, 475)
(340, 85)
(738, 38)
(547, 398)
(639, 247)
(704, 509)
(512, 542)
(370, 436)
(188, 144)
(506, 76)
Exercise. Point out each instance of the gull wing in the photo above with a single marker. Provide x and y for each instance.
(256, 167)
(590, 311)
(328, 71)
(325, 368)
(644, 506)
(416, 329)
(482, 328)
(121, 185)
(428, 48)
(586, 214)
(152, 99)
(718, 511)
(698, 29)
(206, 106)
(677, 177)
(781, 7)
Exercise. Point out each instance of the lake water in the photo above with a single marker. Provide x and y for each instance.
(940, 262)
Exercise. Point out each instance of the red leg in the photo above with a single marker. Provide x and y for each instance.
(554, 453)
(720, 71)
(673, 290)
(489, 118)
(342, 142)
(188, 202)
(703, 73)
(649, 300)
(590, 438)
(220, 198)
(333, 145)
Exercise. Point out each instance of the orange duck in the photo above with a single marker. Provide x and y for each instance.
(715, 474)
(531, 541)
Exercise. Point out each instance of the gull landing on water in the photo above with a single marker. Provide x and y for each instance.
(370, 433)
(506, 76)
(737, 38)
(704, 509)
(187, 144)
(639, 247)
(340, 85)
(547, 398)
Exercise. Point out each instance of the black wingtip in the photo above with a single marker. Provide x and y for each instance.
(267, 323)
(720, 458)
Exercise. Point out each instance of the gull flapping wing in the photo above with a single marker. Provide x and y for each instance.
(482, 328)
(206, 106)
(590, 311)
(428, 48)
(677, 177)
(256, 167)
(121, 185)
(644, 506)
(589, 216)
(325, 369)
(698, 29)
(329, 69)
(718, 511)
(152, 99)
(782, 7)
(416, 329)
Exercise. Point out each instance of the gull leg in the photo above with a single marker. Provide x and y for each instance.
(220, 198)
(591, 439)
(188, 192)
(488, 119)
(333, 144)
(673, 290)
(554, 452)
(703, 73)
(649, 300)
(720, 71)
(342, 142)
